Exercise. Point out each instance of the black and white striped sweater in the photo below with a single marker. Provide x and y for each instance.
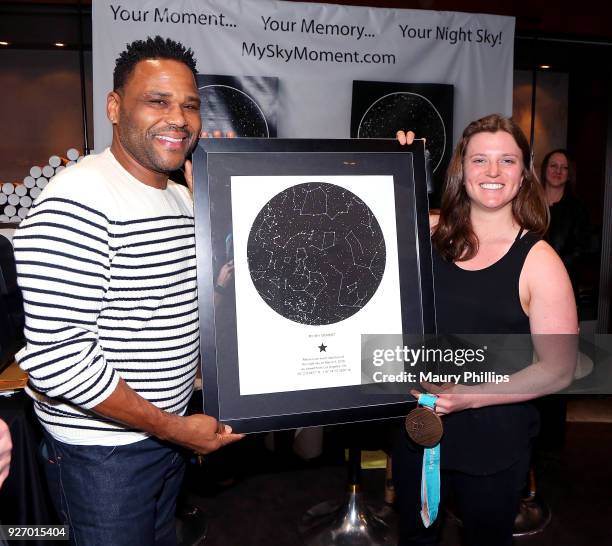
(107, 269)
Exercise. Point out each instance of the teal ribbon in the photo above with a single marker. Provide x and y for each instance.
(430, 473)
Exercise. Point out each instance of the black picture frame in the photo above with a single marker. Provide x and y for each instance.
(215, 162)
(426, 108)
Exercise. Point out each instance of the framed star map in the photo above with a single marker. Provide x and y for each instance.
(304, 247)
(243, 105)
(379, 109)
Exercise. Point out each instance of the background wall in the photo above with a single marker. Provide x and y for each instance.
(41, 108)
(551, 115)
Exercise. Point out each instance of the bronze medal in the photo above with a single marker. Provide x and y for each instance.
(424, 427)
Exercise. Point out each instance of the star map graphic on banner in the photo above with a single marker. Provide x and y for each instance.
(379, 109)
(240, 106)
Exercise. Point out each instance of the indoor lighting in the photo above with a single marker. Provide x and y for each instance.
(59, 44)
(4, 43)
(544, 66)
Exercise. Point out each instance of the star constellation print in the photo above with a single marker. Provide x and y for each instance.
(229, 109)
(405, 110)
(316, 253)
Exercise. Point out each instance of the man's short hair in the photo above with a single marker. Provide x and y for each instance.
(151, 48)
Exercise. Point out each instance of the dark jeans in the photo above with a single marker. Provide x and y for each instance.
(115, 495)
(487, 505)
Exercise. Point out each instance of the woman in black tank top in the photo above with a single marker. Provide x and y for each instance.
(492, 275)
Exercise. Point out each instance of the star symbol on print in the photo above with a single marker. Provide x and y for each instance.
(322, 348)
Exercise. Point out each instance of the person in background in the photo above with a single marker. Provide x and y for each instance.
(568, 232)
(106, 264)
(5, 451)
(493, 274)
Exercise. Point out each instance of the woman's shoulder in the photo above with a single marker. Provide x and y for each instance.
(546, 288)
(540, 249)
(543, 264)
(529, 239)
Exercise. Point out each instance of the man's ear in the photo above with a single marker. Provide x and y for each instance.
(113, 100)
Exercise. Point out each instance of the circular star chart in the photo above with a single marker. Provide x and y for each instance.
(228, 109)
(316, 253)
(407, 111)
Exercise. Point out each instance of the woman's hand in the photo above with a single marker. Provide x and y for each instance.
(451, 397)
(405, 137)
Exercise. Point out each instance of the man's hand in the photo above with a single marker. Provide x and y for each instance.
(188, 172)
(405, 138)
(225, 274)
(217, 134)
(188, 167)
(5, 451)
(202, 433)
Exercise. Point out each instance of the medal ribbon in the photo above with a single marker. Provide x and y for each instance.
(430, 474)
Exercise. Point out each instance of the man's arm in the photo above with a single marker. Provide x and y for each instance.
(62, 257)
(199, 432)
(63, 263)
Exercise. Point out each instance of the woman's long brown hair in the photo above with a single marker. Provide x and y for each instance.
(454, 237)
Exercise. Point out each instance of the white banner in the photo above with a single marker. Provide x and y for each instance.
(321, 56)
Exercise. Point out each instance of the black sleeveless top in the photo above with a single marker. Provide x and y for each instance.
(485, 301)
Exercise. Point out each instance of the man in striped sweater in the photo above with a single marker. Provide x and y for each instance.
(106, 263)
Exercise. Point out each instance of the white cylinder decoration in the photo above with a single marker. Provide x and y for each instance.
(10, 210)
(35, 192)
(13, 199)
(41, 182)
(22, 212)
(21, 190)
(29, 182)
(48, 171)
(72, 154)
(55, 161)
(35, 171)
(26, 201)
(3, 198)
(8, 188)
